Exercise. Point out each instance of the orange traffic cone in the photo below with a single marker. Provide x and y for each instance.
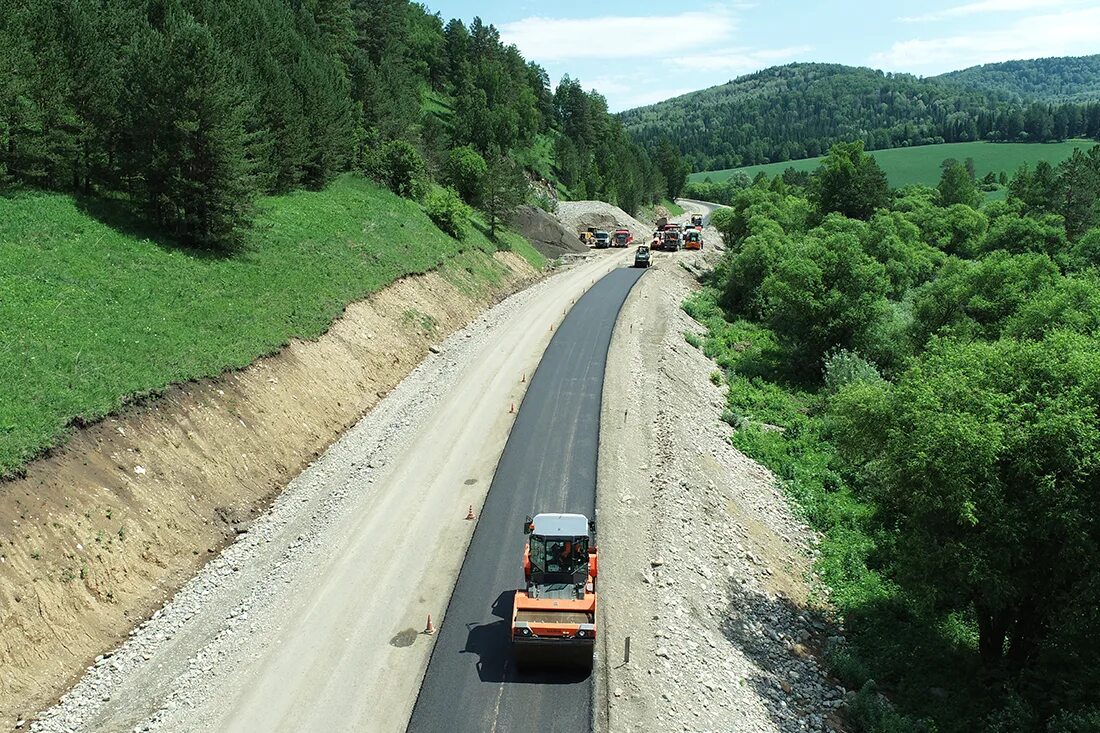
(470, 513)
(430, 629)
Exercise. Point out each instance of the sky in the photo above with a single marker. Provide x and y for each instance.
(636, 52)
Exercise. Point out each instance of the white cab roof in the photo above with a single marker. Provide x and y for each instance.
(561, 525)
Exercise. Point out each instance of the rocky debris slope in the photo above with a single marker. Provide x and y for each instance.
(546, 233)
(576, 216)
(703, 564)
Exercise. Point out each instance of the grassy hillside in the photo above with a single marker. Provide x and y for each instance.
(91, 314)
(1061, 79)
(905, 166)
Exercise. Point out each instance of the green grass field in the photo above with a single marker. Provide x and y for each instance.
(905, 166)
(90, 315)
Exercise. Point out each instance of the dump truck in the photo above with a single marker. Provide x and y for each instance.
(693, 239)
(622, 238)
(671, 239)
(697, 220)
(602, 241)
(554, 614)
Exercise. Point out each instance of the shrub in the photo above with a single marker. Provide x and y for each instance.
(466, 171)
(844, 367)
(401, 165)
(444, 207)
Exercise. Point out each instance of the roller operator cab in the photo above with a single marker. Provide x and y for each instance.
(693, 240)
(554, 615)
(697, 220)
(641, 256)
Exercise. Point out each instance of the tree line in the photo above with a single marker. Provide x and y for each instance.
(187, 110)
(1061, 79)
(953, 443)
(799, 111)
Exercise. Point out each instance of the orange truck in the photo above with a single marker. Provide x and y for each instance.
(554, 615)
(693, 239)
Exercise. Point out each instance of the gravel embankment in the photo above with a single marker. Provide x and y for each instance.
(703, 563)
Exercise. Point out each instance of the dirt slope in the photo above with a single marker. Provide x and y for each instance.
(101, 533)
(546, 233)
(576, 216)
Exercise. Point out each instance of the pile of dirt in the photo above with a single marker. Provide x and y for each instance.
(576, 216)
(101, 532)
(546, 233)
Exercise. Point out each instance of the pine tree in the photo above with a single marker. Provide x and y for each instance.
(505, 189)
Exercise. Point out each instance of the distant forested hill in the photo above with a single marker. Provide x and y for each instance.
(1061, 79)
(799, 110)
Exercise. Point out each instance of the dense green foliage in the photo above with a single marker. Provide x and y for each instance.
(933, 367)
(1060, 79)
(187, 110)
(801, 110)
(86, 326)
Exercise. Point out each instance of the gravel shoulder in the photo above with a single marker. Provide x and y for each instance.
(311, 620)
(703, 565)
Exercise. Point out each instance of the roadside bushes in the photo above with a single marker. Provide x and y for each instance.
(924, 384)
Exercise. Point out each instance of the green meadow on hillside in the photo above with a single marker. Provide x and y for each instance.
(921, 164)
(91, 314)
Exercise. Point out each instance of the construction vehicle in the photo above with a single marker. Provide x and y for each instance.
(693, 239)
(661, 223)
(554, 615)
(588, 236)
(622, 238)
(641, 256)
(603, 240)
(671, 239)
(697, 220)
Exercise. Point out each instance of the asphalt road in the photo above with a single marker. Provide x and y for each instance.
(548, 465)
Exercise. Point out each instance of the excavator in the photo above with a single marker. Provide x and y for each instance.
(554, 615)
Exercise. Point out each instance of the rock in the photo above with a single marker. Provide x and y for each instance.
(618, 692)
(656, 562)
(435, 349)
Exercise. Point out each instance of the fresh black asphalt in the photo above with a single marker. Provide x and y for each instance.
(548, 465)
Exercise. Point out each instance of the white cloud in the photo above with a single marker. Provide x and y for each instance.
(740, 60)
(1069, 33)
(617, 37)
(989, 6)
